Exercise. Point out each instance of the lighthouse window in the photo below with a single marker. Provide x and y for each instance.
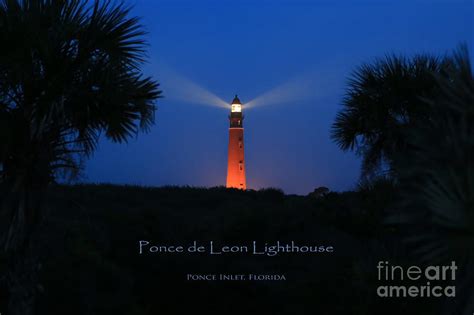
(236, 108)
(241, 168)
(240, 144)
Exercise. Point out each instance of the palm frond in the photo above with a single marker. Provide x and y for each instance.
(73, 67)
(384, 99)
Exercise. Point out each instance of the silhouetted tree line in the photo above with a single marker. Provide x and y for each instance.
(91, 265)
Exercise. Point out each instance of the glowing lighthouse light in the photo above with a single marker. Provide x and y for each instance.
(236, 161)
(236, 108)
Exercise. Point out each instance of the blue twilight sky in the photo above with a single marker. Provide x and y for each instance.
(290, 60)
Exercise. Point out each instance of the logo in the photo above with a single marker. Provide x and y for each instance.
(425, 275)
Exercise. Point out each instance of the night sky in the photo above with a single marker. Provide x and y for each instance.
(290, 60)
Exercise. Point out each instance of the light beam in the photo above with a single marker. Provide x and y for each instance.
(308, 86)
(178, 88)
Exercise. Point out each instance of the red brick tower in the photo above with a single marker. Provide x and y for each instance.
(236, 161)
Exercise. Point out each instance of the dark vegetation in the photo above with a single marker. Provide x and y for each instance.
(91, 265)
(70, 71)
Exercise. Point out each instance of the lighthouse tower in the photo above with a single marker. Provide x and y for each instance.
(236, 161)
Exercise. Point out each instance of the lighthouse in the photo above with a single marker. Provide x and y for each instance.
(236, 160)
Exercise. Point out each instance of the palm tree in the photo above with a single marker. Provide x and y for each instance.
(382, 101)
(69, 72)
(437, 180)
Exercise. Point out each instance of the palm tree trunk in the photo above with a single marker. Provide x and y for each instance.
(19, 245)
(22, 283)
